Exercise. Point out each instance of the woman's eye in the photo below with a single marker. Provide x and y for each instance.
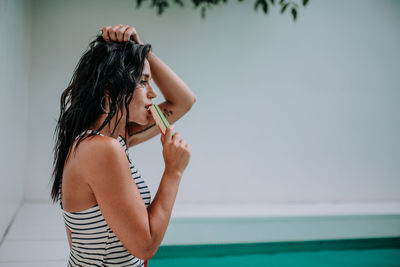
(143, 81)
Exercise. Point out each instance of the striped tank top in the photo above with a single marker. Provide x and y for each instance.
(93, 241)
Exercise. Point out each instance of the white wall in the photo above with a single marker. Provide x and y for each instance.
(285, 112)
(14, 75)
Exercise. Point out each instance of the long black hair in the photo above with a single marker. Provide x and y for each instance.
(107, 67)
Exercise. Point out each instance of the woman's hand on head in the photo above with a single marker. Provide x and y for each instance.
(120, 33)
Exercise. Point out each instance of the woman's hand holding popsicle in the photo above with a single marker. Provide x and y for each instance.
(176, 152)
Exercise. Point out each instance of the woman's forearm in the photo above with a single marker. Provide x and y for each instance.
(160, 209)
(173, 88)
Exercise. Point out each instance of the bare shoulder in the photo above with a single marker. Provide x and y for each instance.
(99, 154)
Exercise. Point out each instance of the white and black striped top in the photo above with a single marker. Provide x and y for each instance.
(93, 241)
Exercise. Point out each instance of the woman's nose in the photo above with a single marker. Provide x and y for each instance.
(152, 93)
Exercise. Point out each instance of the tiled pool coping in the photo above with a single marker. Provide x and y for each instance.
(215, 250)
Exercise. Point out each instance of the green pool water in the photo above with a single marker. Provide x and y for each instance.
(342, 253)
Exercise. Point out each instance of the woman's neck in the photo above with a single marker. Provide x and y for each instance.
(109, 127)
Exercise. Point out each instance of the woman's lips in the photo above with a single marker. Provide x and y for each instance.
(148, 110)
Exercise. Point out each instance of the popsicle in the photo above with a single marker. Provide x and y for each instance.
(159, 117)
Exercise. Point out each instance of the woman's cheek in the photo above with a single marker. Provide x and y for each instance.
(131, 110)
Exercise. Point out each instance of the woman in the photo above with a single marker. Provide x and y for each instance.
(104, 111)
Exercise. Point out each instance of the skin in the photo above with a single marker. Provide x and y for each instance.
(83, 168)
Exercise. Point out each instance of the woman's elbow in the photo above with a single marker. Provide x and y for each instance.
(191, 102)
(149, 256)
(184, 105)
(151, 251)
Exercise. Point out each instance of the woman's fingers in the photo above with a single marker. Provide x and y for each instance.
(131, 32)
(105, 35)
(135, 36)
(168, 134)
(188, 147)
(120, 33)
(176, 138)
(182, 143)
(113, 32)
(162, 139)
(128, 34)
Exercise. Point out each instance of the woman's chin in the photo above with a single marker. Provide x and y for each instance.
(141, 122)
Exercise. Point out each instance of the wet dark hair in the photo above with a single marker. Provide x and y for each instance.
(107, 67)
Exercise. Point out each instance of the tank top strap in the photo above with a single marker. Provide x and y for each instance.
(88, 132)
(123, 144)
(119, 138)
(59, 194)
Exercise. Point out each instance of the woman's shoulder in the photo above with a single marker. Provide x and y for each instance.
(97, 148)
(98, 153)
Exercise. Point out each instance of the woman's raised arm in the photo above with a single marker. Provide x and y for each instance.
(178, 100)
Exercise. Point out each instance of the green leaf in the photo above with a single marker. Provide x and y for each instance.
(294, 13)
(272, 2)
(284, 7)
(305, 2)
(203, 12)
(258, 2)
(265, 8)
(264, 5)
(179, 2)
